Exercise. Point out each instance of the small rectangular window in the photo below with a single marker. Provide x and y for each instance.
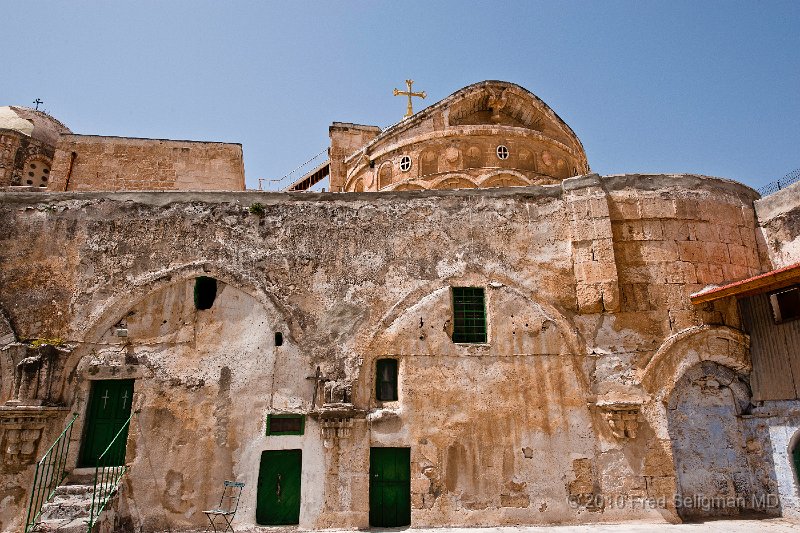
(386, 380)
(285, 424)
(785, 304)
(469, 315)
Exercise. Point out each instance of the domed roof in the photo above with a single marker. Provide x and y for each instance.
(33, 123)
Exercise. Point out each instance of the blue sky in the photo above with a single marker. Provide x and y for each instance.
(699, 86)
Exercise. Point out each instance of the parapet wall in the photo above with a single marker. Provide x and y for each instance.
(96, 163)
(779, 221)
(590, 330)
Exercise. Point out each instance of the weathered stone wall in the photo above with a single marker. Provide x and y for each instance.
(779, 221)
(95, 163)
(560, 417)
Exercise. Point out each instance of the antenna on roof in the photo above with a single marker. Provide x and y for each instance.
(37, 102)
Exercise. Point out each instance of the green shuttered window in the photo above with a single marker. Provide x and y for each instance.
(469, 315)
(386, 380)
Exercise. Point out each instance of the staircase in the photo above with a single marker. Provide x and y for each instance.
(69, 509)
(74, 502)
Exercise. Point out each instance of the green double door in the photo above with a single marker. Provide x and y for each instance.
(389, 487)
(278, 498)
(108, 410)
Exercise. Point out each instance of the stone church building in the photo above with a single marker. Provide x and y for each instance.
(470, 328)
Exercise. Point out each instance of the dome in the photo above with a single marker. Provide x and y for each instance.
(33, 123)
(488, 134)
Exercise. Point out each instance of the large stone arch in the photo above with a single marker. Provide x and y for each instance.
(719, 471)
(500, 408)
(721, 344)
(199, 404)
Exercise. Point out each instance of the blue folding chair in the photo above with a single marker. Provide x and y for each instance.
(228, 504)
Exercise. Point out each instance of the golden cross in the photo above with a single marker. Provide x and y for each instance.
(409, 93)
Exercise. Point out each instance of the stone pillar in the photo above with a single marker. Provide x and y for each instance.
(594, 263)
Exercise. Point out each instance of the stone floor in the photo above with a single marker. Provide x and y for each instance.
(777, 525)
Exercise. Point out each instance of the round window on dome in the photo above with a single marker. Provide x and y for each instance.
(405, 163)
(502, 152)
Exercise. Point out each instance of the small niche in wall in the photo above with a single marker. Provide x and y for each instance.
(278, 338)
(205, 292)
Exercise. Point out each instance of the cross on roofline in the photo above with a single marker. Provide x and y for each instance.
(409, 93)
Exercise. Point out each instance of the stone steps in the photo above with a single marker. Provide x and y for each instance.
(70, 507)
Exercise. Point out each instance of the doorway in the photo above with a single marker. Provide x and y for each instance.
(389, 487)
(278, 498)
(108, 410)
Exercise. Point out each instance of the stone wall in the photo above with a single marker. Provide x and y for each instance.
(561, 416)
(95, 163)
(779, 220)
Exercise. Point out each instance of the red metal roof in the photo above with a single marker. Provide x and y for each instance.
(772, 280)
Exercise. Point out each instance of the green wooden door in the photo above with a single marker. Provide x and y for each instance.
(389, 487)
(108, 410)
(796, 458)
(278, 499)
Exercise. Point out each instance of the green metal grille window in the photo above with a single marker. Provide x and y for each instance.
(469, 315)
(285, 424)
(386, 380)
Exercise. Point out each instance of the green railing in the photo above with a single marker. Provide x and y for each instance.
(50, 472)
(108, 472)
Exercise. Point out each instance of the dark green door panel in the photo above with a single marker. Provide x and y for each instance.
(108, 410)
(389, 487)
(796, 458)
(278, 499)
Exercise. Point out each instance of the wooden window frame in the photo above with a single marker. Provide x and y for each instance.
(470, 323)
(273, 416)
(775, 307)
(395, 379)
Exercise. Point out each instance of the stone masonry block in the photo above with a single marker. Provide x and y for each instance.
(691, 251)
(680, 272)
(626, 209)
(737, 254)
(657, 208)
(659, 251)
(590, 298)
(678, 230)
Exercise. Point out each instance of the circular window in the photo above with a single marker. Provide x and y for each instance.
(502, 152)
(405, 163)
(33, 166)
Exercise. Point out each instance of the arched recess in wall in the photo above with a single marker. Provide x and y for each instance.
(453, 182)
(408, 186)
(473, 157)
(507, 178)
(708, 440)
(727, 346)
(385, 175)
(428, 163)
(387, 336)
(102, 319)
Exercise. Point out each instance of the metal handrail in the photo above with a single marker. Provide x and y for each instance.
(50, 472)
(108, 475)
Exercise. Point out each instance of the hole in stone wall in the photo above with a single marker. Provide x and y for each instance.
(205, 292)
(278, 338)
